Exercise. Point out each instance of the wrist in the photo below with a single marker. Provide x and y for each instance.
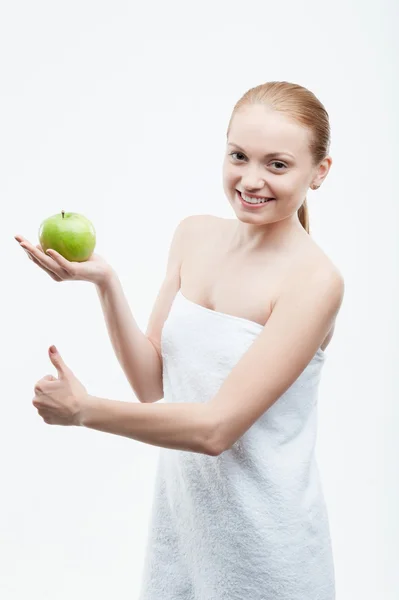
(85, 402)
(106, 279)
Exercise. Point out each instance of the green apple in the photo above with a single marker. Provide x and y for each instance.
(72, 235)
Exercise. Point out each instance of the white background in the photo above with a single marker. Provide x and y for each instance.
(119, 111)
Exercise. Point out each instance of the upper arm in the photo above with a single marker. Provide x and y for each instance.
(170, 284)
(301, 318)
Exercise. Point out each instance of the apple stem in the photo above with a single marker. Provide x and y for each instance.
(63, 213)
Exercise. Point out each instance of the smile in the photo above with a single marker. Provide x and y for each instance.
(250, 201)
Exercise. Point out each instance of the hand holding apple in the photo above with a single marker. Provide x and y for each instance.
(66, 250)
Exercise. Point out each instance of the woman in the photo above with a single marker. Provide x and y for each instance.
(235, 344)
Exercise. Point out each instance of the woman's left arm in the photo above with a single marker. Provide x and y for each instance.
(180, 426)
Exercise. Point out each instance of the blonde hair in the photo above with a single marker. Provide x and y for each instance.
(301, 105)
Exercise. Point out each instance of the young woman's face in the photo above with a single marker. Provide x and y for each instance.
(267, 155)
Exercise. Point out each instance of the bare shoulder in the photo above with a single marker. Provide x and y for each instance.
(305, 263)
(322, 266)
(306, 257)
(198, 226)
(185, 232)
(315, 272)
(201, 223)
(182, 237)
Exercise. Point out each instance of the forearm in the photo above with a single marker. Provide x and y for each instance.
(136, 354)
(179, 426)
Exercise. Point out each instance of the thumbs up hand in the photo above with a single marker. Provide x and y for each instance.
(59, 401)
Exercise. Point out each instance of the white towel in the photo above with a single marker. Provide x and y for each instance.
(251, 523)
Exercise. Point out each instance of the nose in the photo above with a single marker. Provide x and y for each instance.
(251, 180)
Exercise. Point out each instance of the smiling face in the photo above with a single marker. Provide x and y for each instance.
(267, 155)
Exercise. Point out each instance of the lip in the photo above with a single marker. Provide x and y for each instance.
(252, 195)
(251, 206)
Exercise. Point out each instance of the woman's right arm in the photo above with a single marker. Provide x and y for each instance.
(139, 354)
(134, 351)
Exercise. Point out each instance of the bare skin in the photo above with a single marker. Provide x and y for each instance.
(204, 268)
(241, 266)
(237, 266)
(243, 285)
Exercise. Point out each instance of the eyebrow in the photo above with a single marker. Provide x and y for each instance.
(269, 155)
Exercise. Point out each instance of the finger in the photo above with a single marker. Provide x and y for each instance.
(38, 254)
(45, 415)
(56, 263)
(23, 241)
(41, 385)
(56, 276)
(52, 274)
(65, 264)
(55, 357)
(37, 403)
(50, 378)
(39, 388)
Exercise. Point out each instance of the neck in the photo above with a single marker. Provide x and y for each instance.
(249, 237)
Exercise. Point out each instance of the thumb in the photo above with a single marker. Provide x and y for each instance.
(50, 378)
(57, 361)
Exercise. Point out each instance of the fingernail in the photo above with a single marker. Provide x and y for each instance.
(53, 349)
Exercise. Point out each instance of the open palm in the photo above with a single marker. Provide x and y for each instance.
(95, 269)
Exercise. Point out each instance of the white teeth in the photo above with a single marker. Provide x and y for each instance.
(254, 200)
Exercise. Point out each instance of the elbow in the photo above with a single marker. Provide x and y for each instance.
(211, 450)
(214, 444)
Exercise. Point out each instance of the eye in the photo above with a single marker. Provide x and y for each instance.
(232, 153)
(275, 162)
